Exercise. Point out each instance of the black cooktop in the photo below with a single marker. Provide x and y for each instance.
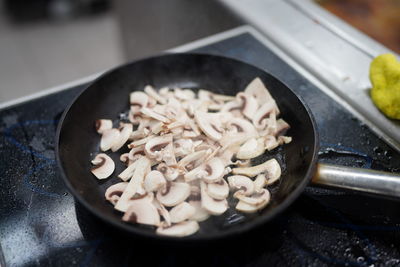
(41, 225)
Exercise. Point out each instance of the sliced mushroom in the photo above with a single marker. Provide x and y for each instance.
(213, 206)
(270, 142)
(262, 114)
(179, 230)
(234, 107)
(181, 212)
(152, 114)
(104, 166)
(126, 174)
(114, 192)
(249, 104)
(218, 190)
(243, 183)
(254, 202)
(257, 89)
(173, 193)
(281, 127)
(243, 126)
(138, 100)
(271, 167)
(141, 142)
(156, 144)
(153, 93)
(211, 171)
(125, 158)
(168, 155)
(142, 211)
(162, 211)
(284, 139)
(169, 172)
(251, 148)
(209, 126)
(109, 138)
(103, 125)
(200, 213)
(183, 147)
(136, 151)
(260, 182)
(124, 135)
(190, 161)
(135, 186)
(153, 181)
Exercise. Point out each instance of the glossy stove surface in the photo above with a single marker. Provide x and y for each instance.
(41, 225)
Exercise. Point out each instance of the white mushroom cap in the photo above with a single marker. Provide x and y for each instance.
(200, 213)
(124, 135)
(109, 138)
(153, 181)
(213, 206)
(156, 144)
(258, 200)
(262, 114)
(218, 190)
(170, 173)
(251, 148)
(139, 100)
(180, 230)
(211, 171)
(249, 104)
(142, 211)
(114, 192)
(173, 193)
(243, 183)
(104, 166)
(102, 125)
(271, 167)
(209, 126)
(181, 212)
(257, 89)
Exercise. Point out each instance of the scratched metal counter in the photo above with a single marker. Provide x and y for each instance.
(40, 224)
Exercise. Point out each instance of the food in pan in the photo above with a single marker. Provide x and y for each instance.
(385, 79)
(188, 153)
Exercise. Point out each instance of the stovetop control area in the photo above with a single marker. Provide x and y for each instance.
(42, 225)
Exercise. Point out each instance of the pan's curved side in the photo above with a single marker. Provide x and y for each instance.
(108, 96)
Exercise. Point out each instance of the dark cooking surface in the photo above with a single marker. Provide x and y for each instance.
(41, 225)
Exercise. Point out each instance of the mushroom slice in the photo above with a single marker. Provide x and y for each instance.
(114, 192)
(211, 171)
(180, 230)
(153, 181)
(156, 144)
(169, 172)
(109, 138)
(213, 206)
(260, 117)
(218, 190)
(200, 214)
(142, 211)
(281, 127)
(183, 147)
(249, 104)
(124, 158)
(189, 162)
(251, 148)
(181, 212)
(168, 155)
(139, 99)
(153, 93)
(124, 135)
(284, 139)
(260, 182)
(257, 200)
(257, 89)
(271, 167)
(270, 142)
(173, 193)
(163, 212)
(103, 125)
(142, 167)
(152, 114)
(126, 174)
(233, 107)
(136, 151)
(208, 125)
(242, 183)
(141, 142)
(242, 126)
(104, 166)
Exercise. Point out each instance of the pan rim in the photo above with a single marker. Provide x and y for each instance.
(241, 229)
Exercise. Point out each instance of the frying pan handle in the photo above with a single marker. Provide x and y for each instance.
(380, 183)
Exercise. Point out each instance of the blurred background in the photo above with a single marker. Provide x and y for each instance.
(44, 43)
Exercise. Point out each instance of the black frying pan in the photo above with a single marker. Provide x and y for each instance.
(108, 96)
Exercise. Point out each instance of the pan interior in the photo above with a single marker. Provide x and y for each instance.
(108, 96)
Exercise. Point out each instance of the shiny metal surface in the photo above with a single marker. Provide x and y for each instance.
(362, 180)
(332, 51)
